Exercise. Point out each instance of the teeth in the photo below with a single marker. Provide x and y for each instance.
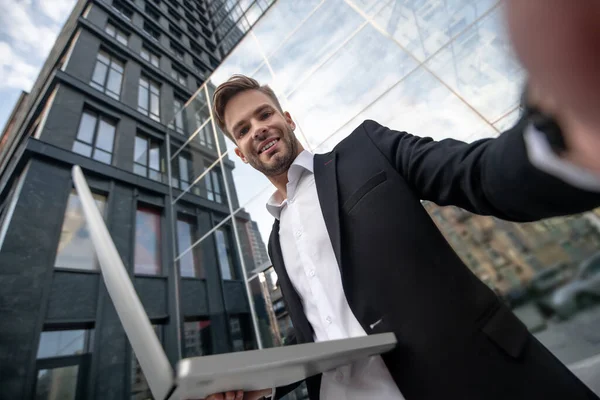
(268, 145)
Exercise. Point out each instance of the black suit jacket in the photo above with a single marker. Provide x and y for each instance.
(456, 340)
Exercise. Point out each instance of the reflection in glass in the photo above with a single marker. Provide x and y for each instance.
(423, 27)
(241, 333)
(147, 242)
(189, 263)
(311, 44)
(63, 343)
(213, 185)
(361, 71)
(75, 248)
(57, 383)
(480, 67)
(197, 340)
(282, 19)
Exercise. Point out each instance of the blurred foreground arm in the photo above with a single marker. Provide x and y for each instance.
(558, 42)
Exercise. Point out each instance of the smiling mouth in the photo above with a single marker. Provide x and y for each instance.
(268, 146)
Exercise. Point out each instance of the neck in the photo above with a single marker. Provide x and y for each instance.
(280, 181)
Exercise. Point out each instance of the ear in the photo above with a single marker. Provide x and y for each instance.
(289, 120)
(239, 153)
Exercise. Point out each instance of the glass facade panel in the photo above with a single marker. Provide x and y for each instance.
(362, 70)
(442, 69)
(478, 65)
(190, 262)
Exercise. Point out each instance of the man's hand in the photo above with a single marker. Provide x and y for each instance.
(240, 395)
(581, 138)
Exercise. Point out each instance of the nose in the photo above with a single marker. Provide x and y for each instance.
(260, 132)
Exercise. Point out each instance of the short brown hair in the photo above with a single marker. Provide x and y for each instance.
(235, 85)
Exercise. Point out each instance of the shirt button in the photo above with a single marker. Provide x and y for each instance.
(329, 320)
(298, 233)
(311, 273)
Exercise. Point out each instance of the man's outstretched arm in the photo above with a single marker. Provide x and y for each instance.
(489, 177)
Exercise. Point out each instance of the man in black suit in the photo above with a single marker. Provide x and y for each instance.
(356, 253)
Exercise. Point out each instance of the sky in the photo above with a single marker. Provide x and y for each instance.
(28, 29)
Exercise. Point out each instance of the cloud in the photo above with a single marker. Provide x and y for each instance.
(16, 72)
(57, 10)
(25, 28)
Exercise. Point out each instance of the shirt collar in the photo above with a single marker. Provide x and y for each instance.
(304, 162)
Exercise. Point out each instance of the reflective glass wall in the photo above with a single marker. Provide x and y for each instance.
(434, 68)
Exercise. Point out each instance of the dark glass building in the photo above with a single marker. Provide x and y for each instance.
(107, 99)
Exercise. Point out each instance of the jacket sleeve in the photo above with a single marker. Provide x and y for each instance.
(488, 177)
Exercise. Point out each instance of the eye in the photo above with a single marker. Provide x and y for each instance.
(265, 115)
(242, 131)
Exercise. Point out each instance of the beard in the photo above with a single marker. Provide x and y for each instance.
(280, 162)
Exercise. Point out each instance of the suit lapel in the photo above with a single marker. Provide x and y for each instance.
(291, 297)
(327, 189)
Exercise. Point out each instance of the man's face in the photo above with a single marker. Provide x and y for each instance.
(264, 136)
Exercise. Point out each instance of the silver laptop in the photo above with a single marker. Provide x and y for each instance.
(198, 377)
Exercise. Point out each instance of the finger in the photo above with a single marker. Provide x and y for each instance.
(230, 396)
(239, 395)
(216, 396)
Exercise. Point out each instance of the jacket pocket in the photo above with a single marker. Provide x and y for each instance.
(362, 191)
(506, 331)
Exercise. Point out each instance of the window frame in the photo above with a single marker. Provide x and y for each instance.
(151, 31)
(152, 56)
(150, 85)
(160, 214)
(211, 193)
(119, 35)
(112, 60)
(149, 140)
(123, 9)
(98, 118)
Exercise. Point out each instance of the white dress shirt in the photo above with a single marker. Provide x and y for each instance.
(313, 270)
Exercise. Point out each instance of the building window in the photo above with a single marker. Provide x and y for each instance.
(149, 56)
(225, 254)
(179, 76)
(149, 98)
(116, 33)
(175, 32)
(177, 123)
(205, 136)
(95, 137)
(199, 68)
(147, 159)
(213, 185)
(139, 385)
(241, 333)
(173, 13)
(59, 378)
(147, 241)
(108, 75)
(192, 31)
(178, 51)
(190, 263)
(152, 32)
(75, 248)
(197, 338)
(152, 13)
(184, 168)
(64, 343)
(123, 9)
